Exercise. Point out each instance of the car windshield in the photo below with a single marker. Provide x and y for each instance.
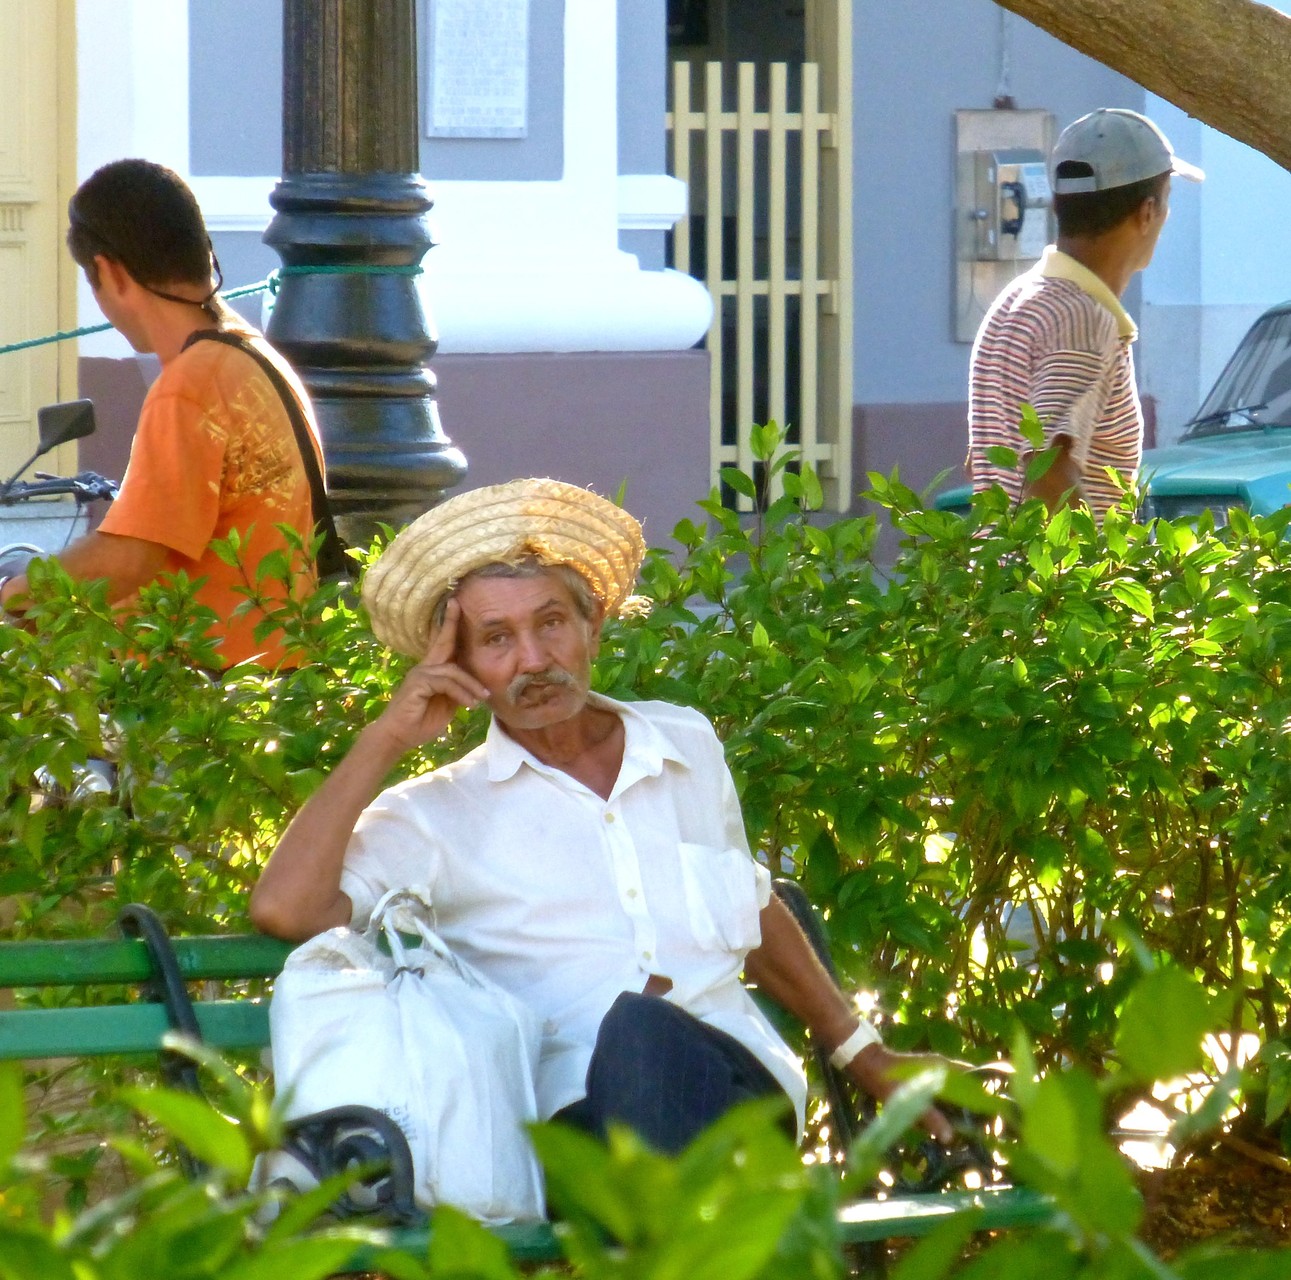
(1255, 388)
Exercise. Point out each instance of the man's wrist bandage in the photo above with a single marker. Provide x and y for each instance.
(864, 1035)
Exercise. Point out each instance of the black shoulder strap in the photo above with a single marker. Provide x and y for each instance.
(332, 559)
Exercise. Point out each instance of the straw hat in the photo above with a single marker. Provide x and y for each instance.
(555, 522)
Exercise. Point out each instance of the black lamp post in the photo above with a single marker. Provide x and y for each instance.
(351, 231)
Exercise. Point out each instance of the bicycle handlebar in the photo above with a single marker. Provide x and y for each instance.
(85, 486)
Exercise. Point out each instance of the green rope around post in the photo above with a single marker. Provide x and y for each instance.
(246, 290)
(269, 285)
(343, 269)
(64, 336)
(67, 334)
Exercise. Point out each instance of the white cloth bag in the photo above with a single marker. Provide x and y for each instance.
(422, 1036)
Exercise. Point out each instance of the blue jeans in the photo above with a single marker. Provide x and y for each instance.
(665, 1074)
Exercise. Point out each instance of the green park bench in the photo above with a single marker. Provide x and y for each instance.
(137, 1024)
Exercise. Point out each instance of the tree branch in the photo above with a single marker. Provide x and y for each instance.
(1227, 62)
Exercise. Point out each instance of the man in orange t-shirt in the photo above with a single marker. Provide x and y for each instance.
(214, 451)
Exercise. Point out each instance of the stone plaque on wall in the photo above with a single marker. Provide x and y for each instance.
(479, 69)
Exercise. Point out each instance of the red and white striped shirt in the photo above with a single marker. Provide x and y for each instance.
(1059, 340)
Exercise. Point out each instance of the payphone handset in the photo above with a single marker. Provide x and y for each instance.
(1012, 208)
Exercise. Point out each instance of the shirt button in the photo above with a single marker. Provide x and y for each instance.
(632, 893)
(647, 955)
(609, 817)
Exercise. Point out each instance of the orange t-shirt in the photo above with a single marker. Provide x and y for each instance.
(214, 451)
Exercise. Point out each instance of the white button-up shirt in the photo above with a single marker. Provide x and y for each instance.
(566, 900)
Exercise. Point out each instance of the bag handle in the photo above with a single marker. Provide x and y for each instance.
(331, 559)
(419, 911)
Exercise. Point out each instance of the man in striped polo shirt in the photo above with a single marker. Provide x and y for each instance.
(1058, 337)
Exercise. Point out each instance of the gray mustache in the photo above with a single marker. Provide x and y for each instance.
(553, 675)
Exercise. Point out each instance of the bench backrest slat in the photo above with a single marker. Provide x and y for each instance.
(999, 1207)
(135, 1028)
(76, 962)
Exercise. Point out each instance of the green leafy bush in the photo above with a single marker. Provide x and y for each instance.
(738, 1204)
(995, 763)
(208, 770)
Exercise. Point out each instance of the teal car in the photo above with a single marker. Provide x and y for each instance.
(1236, 451)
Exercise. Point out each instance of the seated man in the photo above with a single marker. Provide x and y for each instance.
(590, 856)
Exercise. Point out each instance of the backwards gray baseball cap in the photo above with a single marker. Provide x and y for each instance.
(1114, 148)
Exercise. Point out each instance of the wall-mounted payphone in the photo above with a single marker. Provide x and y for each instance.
(1003, 205)
(1010, 222)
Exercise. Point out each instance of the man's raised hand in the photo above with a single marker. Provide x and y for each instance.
(433, 691)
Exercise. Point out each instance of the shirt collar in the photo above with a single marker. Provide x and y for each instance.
(646, 746)
(1056, 265)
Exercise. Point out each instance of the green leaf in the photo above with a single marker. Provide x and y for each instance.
(234, 1090)
(740, 481)
(398, 1264)
(978, 1092)
(1040, 464)
(227, 551)
(764, 440)
(1162, 1025)
(1023, 1084)
(1030, 426)
(1134, 596)
(1276, 1060)
(305, 1258)
(813, 495)
(579, 1177)
(735, 1242)
(300, 1210)
(25, 1256)
(936, 1256)
(190, 1236)
(1220, 1263)
(460, 1246)
(1027, 1256)
(1103, 1195)
(211, 1137)
(13, 1112)
(1051, 1125)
